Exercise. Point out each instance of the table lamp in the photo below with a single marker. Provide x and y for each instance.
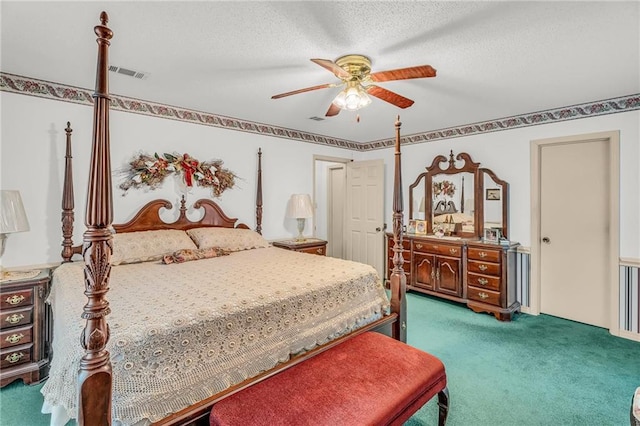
(300, 208)
(12, 218)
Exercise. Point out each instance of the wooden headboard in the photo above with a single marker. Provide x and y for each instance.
(148, 217)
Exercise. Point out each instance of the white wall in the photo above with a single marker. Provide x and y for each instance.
(32, 159)
(507, 153)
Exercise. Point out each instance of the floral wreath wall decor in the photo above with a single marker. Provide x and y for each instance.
(444, 188)
(147, 171)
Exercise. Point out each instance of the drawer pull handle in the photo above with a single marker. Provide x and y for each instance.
(14, 319)
(483, 281)
(483, 267)
(14, 357)
(483, 295)
(14, 338)
(483, 254)
(15, 299)
(453, 251)
(419, 246)
(438, 274)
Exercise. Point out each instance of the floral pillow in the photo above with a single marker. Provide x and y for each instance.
(187, 255)
(232, 239)
(144, 246)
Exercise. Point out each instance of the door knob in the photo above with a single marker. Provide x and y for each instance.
(546, 240)
(378, 229)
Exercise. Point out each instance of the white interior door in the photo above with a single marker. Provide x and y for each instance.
(365, 213)
(574, 226)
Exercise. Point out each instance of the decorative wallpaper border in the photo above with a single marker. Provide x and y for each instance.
(589, 109)
(61, 92)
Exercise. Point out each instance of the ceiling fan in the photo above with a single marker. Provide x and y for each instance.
(357, 79)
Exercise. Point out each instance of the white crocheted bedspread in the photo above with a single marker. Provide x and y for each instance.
(183, 332)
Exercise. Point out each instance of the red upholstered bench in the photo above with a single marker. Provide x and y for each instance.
(370, 379)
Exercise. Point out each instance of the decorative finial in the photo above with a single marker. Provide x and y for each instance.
(104, 18)
(68, 129)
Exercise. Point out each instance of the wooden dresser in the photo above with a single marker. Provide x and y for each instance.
(309, 245)
(481, 275)
(25, 331)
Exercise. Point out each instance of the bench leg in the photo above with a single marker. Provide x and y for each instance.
(443, 406)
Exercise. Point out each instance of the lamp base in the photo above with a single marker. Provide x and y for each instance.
(300, 237)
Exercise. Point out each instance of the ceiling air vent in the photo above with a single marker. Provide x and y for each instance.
(316, 118)
(131, 73)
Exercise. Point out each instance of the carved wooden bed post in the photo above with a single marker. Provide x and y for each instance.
(94, 377)
(398, 279)
(67, 201)
(259, 195)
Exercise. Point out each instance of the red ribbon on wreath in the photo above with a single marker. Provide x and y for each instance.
(189, 165)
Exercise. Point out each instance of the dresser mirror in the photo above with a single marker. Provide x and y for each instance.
(459, 199)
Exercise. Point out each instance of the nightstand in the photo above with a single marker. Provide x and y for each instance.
(25, 328)
(309, 245)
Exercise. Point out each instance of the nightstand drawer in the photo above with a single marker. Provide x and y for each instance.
(314, 250)
(15, 299)
(16, 336)
(483, 295)
(15, 356)
(16, 317)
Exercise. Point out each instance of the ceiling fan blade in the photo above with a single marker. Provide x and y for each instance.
(389, 96)
(420, 71)
(308, 89)
(333, 67)
(333, 110)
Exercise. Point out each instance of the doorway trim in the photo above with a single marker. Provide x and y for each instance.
(326, 158)
(612, 138)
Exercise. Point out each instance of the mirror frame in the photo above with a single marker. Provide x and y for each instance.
(468, 166)
(504, 186)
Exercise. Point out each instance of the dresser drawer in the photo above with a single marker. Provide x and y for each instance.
(443, 249)
(483, 295)
(483, 281)
(314, 250)
(15, 299)
(16, 317)
(485, 268)
(16, 336)
(16, 355)
(488, 255)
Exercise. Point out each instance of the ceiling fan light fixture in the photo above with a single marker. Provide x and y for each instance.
(352, 98)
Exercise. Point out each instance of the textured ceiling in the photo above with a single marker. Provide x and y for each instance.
(494, 59)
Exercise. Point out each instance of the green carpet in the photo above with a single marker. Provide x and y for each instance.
(532, 371)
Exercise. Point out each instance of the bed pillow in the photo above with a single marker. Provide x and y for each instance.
(232, 239)
(143, 246)
(187, 255)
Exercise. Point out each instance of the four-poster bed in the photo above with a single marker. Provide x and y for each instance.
(109, 378)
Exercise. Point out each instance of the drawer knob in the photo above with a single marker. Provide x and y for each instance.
(14, 357)
(483, 254)
(483, 267)
(14, 338)
(15, 299)
(483, 281)
(419, 246)
(14, 319)
(483, 295)
(453, 251)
